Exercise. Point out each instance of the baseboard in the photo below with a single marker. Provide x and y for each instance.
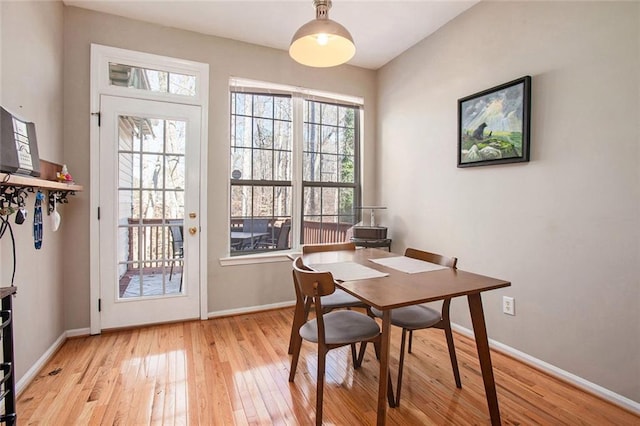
(79, 332)
(558, 373)
(39, 364)
(251, 309)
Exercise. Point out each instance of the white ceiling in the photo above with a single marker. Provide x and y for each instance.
(381, 29)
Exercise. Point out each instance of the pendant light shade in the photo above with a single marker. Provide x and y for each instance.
(322, 42)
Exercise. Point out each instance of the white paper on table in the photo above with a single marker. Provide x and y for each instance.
(408, 264)
(348, 271)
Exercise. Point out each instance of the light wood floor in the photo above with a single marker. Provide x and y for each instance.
(234, 371)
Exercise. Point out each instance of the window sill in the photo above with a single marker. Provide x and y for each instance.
(281, 256)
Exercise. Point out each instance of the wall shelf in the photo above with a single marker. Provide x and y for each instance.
(27, 181)
(14, 190)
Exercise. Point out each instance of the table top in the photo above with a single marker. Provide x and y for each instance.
(408, 289)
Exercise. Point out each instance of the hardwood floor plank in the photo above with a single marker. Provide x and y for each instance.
(216, 387)
(234, 371)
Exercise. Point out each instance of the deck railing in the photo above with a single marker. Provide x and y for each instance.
(318, 232)
(155, 239)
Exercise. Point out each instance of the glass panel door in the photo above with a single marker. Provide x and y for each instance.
(149, 228)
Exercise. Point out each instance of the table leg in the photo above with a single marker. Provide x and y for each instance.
(384, 368)
(484, 355)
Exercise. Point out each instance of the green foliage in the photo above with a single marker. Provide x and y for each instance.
(507, 142)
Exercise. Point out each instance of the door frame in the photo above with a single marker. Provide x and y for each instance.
(119, 311)
(100, 58)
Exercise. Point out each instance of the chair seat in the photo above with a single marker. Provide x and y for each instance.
(340, 299)
(342, 327)
(412, 317)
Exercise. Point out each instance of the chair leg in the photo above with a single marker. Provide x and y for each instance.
(363, 348)
(294, 359)
(390, 398)
(300, 315)
(410, 339)
(452, 354)
(376, 346)
(298, 320)
(401, 365)
(322, 355)
(354, 356)
(292, 336)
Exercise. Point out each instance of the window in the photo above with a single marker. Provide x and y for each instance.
(329, 165)
(151, 80)
(271, 133)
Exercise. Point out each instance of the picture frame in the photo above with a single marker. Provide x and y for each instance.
(493, 125)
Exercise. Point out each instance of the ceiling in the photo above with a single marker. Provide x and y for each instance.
(381, 29)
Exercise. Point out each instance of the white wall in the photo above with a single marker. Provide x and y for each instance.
(565, 227)
(31, 87)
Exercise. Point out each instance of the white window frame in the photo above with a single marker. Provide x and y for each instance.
(298, 96)
(102, 56)
(100, 85)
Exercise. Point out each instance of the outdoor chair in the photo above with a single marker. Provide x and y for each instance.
(177, 247)
(280, 240)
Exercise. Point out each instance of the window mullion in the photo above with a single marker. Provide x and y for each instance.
(297, 145)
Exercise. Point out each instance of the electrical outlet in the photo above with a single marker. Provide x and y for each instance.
(508, 305)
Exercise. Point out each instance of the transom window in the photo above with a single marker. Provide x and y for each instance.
(272, 165)
(152, 80)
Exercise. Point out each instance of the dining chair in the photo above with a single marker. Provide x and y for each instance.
(329, 330)
(417, 317)
(339, 299)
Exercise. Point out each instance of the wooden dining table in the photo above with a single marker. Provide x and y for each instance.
(399, 289)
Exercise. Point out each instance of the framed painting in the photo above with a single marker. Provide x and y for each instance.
(493, 125)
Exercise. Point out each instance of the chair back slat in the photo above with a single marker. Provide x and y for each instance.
(311, 283)
(438, 259)
(314, 285)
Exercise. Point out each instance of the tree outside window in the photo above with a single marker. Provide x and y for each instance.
(263, 184)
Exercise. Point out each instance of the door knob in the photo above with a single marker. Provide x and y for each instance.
(193, 230)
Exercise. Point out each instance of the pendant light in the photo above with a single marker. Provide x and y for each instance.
(322, 42)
